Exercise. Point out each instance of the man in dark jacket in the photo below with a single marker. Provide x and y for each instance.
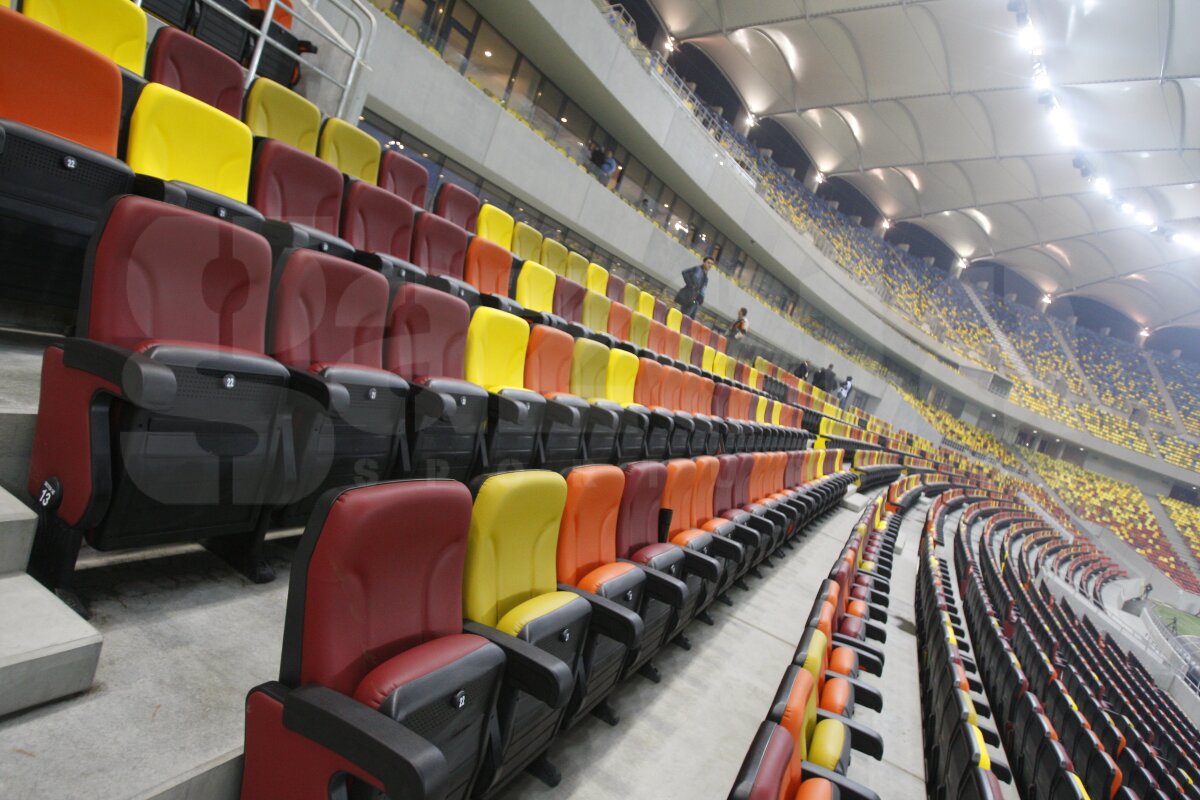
(831, 381)
(695, 281)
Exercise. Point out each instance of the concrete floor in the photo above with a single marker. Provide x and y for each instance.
(185, 638)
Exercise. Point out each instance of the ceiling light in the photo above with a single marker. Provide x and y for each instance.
(751, 120)
(1030, 39)
(1103, 186)
(1144, 218)
(562, 119)
(487, 53)
(1144, 332)
(1041, 78)
(819, 178)
(886, 224)
(669, 44)
(1127, 208)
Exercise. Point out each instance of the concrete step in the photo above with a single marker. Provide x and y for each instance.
(46, 650)
(17, 523)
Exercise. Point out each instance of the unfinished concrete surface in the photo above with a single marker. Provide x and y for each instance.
(185, 638)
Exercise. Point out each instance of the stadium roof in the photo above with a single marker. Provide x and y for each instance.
(930, 109)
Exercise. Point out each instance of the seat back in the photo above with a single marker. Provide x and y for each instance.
(496, 345)
(377, 221)
(162, 272)
(178, 138)
(65, 88)
(495, 225)
(660, 311)
(488, 266)
(657, 338)
(706, 358)
(671, 396)
(707, 469)
(114, 29)
(674, 318)
(595, 311)
(619, 319)
(350, 149)
(621, 377)
(645, 304)
(512, 550)
(554, 256)
(188, 65)
(426, 333)
(637, 523)
(639, 329)
(568, 299)
(587, 537)
(403, 177)
(678, 494)
(548, 360)
(526, 242)
(616, 288)
(535, 287)
(327, 311)
(670, 343)
(576, 268)
(589, 369)
(458, 205)
(648, 386)
(633, 293)
(274, 111)
(684, 353)
(333, 634)
(292, 186)
(439, 246)
(597, 279)
(727, 474)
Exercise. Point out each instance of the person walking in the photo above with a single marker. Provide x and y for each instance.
(803, 369)
(737, 331)
(843, 393)
(831, 383)
(695, 281)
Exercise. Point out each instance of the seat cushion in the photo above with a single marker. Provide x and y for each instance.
(827, 748)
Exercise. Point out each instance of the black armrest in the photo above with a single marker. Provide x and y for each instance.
(454, 286)
(159, 189)
(865, 694)
(873, 631)
(396, 270)
(511, 410)
(143, 381)
(863, 739)
(332, 397)
(877, 613)
(705, 567)
(847, 789)
(404, 763)
(528, 668)
(562, 413)
(841, 640)
(982, 707)
(725, 547)
(499, 301)
(990, 734)
(662, 586)
(611, 619)
(1002, 771)
(430, 404)
(745, 535)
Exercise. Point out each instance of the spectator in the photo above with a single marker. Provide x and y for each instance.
(802, 369)
(695, 281)
(831, 383)
(739, 327)
(608, 167)
(596, 155)
(818, 379)
(843, 393)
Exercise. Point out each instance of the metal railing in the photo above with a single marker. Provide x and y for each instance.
(355, 12)
(718, 128)
(1191, 673)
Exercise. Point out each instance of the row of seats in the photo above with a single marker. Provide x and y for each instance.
(802, 749)
(308, 371)
(568, 584)
(1055, 729)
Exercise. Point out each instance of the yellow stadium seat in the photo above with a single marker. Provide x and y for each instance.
(720, 363)
(495, 352)
(706, 362)
(554, 256)
(760, 409)
(589, 370)
(535, 287)
(526, 242)
(776, 413)
(674, 318)
(113, 28)
(595, 311)
(495, 225)
(178, 138)
(276, 112)
(639, 329)
(645, 304)
(632, 293)
(597, 278)
(353, 151)
(685, 349)
(621, 376)
(577, 268)
(753, 379)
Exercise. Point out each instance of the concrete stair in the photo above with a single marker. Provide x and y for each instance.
(1069, 352)
(1165, 393)
(46, 650)
(1171, 532)
(1006, 346)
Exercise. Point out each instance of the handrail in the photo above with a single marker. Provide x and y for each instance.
(318, 23)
